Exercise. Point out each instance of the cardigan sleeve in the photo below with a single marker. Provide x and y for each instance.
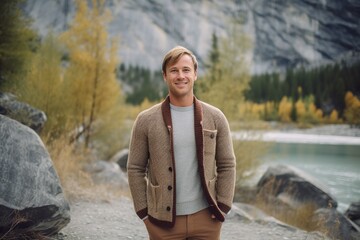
(137, 164)
(226, 165)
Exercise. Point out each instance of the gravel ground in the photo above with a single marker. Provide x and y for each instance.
(116, 219)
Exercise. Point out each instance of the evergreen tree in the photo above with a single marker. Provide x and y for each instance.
(327, 84)
(212, 67)
(214, 57)
(17, 40)
(141, 84)
(277, 93)
(227, 91)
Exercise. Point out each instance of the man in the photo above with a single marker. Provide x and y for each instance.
(181, 164)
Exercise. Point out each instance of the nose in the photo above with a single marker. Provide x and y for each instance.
(181, 74)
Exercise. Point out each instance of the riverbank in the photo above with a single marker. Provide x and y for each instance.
(329, 129)
(339, 134)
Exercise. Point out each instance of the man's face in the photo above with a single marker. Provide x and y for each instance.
(180, 77)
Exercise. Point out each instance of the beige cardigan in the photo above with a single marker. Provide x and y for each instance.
(151, 166)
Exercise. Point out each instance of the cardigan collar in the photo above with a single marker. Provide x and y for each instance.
(165, 108)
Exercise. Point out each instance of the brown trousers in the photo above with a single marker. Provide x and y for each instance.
(197, 226)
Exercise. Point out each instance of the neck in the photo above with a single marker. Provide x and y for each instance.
(184, 101)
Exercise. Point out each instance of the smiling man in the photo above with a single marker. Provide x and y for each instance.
(181, 164)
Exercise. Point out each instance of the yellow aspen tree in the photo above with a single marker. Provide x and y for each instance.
(319, 115)
(312, 108)
(352, 109)
(249, 109)
(245, 109)
(349, 99)
(258, 109)
(312, 114)
(334, 116)
(285, 107)
(43, 85)
(93, 89)
(272, 111)
(300, 110)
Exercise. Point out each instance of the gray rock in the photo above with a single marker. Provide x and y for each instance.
(353, 212)
(103, 172)
(22, 112)
(335, 225)
(286, 188)
(121, 158)
(31, 197)
(293, 187)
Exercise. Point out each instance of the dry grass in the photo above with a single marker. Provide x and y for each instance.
(17, 229)
(299, 217)
(24, 236)
(78, 184)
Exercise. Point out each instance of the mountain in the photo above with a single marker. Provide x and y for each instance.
(284, 33)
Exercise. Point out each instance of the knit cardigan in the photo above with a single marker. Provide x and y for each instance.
(151, 165)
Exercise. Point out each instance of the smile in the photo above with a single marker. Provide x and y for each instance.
(181, 83)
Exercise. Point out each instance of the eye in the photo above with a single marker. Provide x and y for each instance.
(186, 70)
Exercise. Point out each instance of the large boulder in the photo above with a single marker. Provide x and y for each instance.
(121, 158)
(21, 112)
(353, 212)
(108, 173)
(287, 189)
(293, 188)
(31, 197)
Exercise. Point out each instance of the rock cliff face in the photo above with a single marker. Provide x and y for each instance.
(285, 33)
(289, 33)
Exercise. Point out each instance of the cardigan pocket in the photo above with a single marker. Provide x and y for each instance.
(209, 141)
(153, 197)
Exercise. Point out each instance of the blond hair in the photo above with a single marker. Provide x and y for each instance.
(175, 54)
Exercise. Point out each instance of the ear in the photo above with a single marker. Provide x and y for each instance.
(164, 75)
(195, 75)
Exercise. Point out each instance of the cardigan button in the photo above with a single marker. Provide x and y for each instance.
(212, 135)
(169, 188)
(170, 169)
(168, 209)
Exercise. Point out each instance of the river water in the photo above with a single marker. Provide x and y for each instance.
(334, 162)
(336, 166)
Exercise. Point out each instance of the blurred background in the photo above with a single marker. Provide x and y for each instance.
(270, 66)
